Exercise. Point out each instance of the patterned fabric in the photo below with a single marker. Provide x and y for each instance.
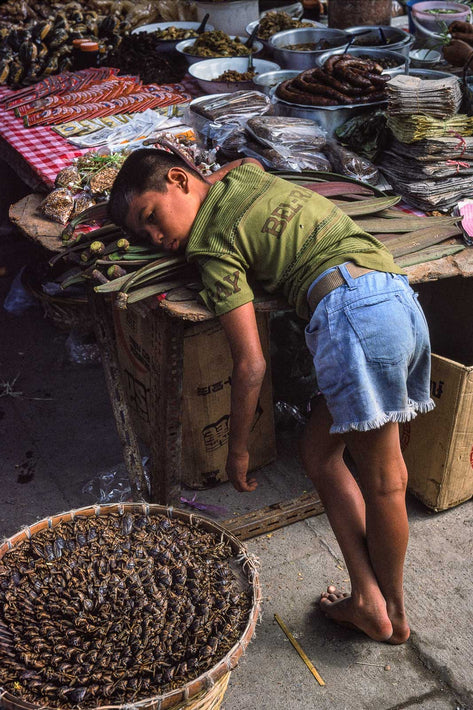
(281, 234)
(44, 151)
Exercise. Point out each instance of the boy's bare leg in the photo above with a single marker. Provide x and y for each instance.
(371, 528)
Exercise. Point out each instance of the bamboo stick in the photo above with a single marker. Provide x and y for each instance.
(300, 651)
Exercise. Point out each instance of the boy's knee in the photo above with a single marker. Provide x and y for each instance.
(388, 481)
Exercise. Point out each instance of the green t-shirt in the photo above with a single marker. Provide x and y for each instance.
(253, 224)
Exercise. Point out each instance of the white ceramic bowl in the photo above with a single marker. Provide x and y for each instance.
(168, 45)
(184, 46)
(207, 71)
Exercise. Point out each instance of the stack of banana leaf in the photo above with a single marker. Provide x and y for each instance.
(412, 239)
(105, 256)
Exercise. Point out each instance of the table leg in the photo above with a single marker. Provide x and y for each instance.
(105, 334)
(165, 416)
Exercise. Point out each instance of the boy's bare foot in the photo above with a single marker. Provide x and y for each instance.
(401, 630)
(373, 621)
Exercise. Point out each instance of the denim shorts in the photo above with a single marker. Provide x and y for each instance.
(370, 344)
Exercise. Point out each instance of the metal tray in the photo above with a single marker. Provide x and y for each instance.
(328, 117)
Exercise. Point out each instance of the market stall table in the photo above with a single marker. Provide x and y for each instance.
(171, 319)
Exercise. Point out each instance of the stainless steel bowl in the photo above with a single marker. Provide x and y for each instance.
(328, 117)
(425, 58)
(266, 44)
(169, 45)
(267, 82)
(427, 74)
(207, 71)
(396, 39)
(184, 46)
(300, 59)
(377, 55)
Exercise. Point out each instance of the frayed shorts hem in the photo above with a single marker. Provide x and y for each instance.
(377, 422)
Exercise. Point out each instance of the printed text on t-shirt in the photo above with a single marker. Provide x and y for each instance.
(284, 212)
(222, 291)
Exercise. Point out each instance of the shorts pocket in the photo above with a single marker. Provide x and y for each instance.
(383, 327)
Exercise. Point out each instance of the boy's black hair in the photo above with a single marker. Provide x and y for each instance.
(144, 169)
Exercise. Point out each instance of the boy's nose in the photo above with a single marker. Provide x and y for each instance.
(156, 237)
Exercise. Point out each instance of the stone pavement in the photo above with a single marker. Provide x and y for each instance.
(57, 434)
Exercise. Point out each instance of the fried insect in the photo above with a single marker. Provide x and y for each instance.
(113, 609)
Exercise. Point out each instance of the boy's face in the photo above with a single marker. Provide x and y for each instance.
(166, 218)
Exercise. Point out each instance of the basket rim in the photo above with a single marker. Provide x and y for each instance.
(59, 299)
(205, 681)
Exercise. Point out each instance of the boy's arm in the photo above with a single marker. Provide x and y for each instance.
(249, 367)
(221, 172)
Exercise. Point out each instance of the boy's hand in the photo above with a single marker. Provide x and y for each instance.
(237, 472)
(463, 27)
(457, 53)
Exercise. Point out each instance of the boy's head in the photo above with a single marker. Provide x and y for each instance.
(156, 195)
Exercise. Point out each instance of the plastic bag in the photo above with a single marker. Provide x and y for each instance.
(18, 298)
(114, 486)
(286, 143)
(279, 157)
(346, 162)
(82, 349)
(366, 134)
(291, 132)
(220, 120)
(289, 416)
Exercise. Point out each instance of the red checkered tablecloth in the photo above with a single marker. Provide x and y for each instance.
(38, 154)
(44, 151)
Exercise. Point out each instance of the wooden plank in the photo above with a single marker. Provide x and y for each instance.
(24, 215)
(272, 517)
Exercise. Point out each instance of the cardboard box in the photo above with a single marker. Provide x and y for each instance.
(438, 446)
(207, 369)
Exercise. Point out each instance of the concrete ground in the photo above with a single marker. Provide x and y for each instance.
(57, 434)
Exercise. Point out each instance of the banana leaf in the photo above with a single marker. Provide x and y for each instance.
(378, 225)
(401, 244)
(429, 254)
(366, 207)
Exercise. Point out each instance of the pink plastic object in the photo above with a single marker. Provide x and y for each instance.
(436, 22)
(465, 209)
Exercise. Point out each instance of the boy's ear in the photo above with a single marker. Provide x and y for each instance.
(179, 177)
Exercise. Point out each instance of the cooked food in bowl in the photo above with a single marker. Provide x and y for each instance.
(175, 33)
(217, 44)
(384, 61)
(232, 75)
(275, 21)
(308, 46)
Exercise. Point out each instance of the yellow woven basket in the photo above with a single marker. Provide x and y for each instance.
(207, 690)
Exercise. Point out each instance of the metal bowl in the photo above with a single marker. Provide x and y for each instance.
(266, 42)
(168, 45)
(427, 74)
(425, 58)
(300, 59)
(327, 117)
(397, 39)
(184, 46)
(268, 81)
(377, 55)
(207, 71)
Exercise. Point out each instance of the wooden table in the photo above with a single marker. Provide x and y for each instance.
(166, 445)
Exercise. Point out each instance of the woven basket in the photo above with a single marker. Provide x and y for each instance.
(66, 313)
(207, 690)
